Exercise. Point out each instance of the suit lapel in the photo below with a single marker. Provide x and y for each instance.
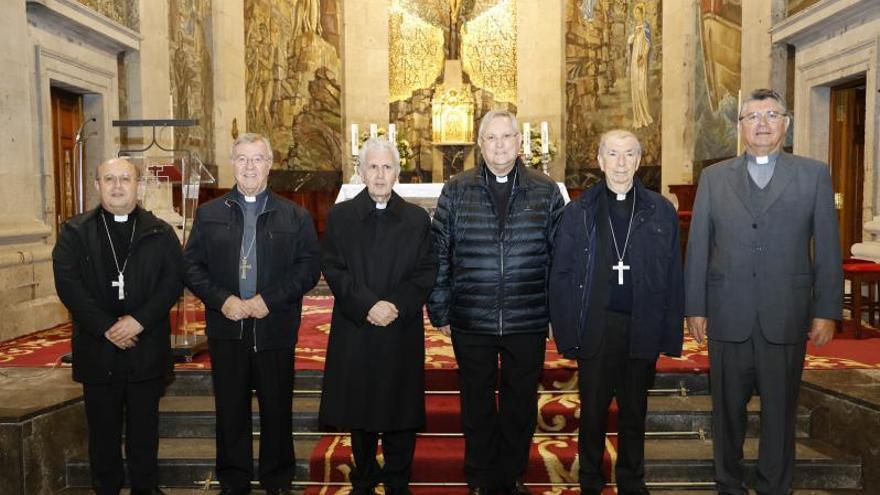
(783, 173)
(739, 183)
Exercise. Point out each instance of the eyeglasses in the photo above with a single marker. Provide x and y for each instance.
(492, 139)
(772, 117)
(110, 179)
(243, 161)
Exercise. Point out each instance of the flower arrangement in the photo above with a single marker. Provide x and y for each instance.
(403, 147)
(535, 144)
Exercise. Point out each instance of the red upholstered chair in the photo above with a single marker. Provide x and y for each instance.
(858, 273)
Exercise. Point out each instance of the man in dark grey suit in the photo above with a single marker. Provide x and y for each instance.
(757, 291)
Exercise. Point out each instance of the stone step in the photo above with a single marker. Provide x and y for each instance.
(202, 491)
(183, 461)
(193, 416)
(196, 382)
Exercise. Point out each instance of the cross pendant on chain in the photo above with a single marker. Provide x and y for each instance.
(619, 268)
(120, 283)
(243, 266)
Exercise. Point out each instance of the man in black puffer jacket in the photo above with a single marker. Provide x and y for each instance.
(492, 231)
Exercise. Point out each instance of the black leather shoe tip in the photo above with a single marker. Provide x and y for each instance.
(519, 488)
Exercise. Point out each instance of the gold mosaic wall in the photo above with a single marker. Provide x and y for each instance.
(192, 88)
(293, 91)
(488, 50)
(124, 12)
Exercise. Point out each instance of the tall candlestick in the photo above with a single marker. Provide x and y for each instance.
(392, 133)
(374, 130)
(527, 138)
(545, 138)
(354, 139)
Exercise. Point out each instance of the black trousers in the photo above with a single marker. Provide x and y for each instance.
(398, 448)
(736, 370)
(611, 373)
(498, 431)
(106, 406)
(236, 370)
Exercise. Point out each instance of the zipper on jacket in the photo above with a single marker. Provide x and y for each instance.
(254, 329)
(586, 273)
(501, 295)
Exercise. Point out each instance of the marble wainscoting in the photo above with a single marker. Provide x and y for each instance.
(845, 406)
(42, 426)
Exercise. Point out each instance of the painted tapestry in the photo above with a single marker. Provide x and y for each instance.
(124, 12)
(423, 35)
(293, 74)
(718, 80)
(613, 79)
(192, 88)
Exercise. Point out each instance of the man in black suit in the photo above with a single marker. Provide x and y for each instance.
(117, 269)
(616, 302)
(763, 274)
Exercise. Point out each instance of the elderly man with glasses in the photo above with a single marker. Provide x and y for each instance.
(251, 257)
(762, 276)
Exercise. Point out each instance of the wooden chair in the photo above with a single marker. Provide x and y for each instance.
(859, 273)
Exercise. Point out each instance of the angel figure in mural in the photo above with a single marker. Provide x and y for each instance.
(587, 9)
(259, 76)
(640, 47)
(307, 17)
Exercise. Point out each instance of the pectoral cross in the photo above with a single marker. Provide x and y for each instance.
(244, 267)
(120, 282)
(619, 268)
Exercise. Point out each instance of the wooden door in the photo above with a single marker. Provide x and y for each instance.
(66, 119)
(846, 156)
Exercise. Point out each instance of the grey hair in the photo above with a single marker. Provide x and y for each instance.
(618, 134)
(764, 94)
(376, 144)
(252, 137)
(495, 114)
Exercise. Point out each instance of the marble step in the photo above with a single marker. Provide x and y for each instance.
(818, 466)
(193, 416)
(193, 382)
(183, 461)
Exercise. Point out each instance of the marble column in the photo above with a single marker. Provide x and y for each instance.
(541, 72)
(680, 37)
(763, 64)
(227, 56)
(365, 68)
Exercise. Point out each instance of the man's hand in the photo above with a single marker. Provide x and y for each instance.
(123, 334)
(382, 314)
(697, 328)
(256, 307)
(445, 330)
(235, 309)
(822, 331)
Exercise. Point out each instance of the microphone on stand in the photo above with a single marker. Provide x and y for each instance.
(79, 143)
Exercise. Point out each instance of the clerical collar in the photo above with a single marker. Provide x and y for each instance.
(252, 199)
(617, 196)
(381, 206)
(763, 160)
(119, 218)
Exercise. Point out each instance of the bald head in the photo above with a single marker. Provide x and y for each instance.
(117, 183)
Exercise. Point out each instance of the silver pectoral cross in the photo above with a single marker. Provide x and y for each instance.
(619, 268)
(120, 283)
(243, 266)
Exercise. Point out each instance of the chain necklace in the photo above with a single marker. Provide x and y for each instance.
(620, 267)
(120, 279)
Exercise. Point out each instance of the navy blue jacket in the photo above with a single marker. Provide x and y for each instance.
(655, 257)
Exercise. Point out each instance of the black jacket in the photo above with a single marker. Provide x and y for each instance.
(152, 286)
(287, 267)
(374, 378)
(494, 282)
(654, 254)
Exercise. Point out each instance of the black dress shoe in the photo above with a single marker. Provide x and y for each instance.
(235, 491)
(152, 491)
(278, 491)
(639, 491)
(519, 488)
(362, 491)
(479, 490)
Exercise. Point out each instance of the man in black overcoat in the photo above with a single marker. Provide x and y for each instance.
(616, 303)
(117, 269)
(251, 257)
(379, 261)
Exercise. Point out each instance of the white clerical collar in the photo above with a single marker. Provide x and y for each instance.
(250, 199)
(381, 206)
(120, 218)
(501, 179)
(762, 160)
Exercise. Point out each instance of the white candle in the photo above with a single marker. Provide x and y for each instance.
(374, 130)
(392, 133)
(545, 138)
(354, 139)
(527, 138)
